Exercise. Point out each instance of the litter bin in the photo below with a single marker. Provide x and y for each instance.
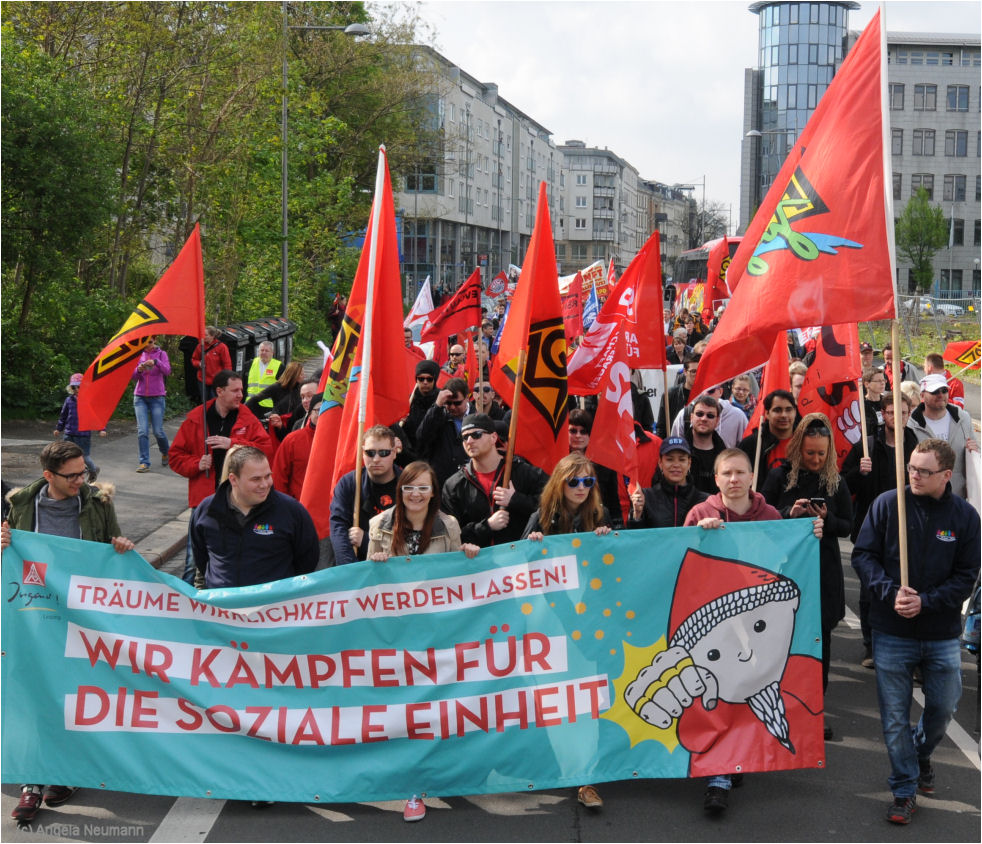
(290, 328)
(257, 334)
(238, 342)
(192, 387)
(277, 336)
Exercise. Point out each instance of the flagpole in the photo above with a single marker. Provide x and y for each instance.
(204, 399)
(366, 339)
(862, 417)
(898, 457)
(513, 422)
(668, 410)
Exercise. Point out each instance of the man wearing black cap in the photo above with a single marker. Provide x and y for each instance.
(422, 399)
(438, 435)
(488, 513)
(866, 355)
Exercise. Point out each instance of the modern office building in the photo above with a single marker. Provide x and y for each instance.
(934, 106)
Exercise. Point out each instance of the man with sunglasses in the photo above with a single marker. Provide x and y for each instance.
(61, 503)
(935, 418)
(488, 513)
(918, 624)
(482, 401)
(705, 442)
(455, 366)
(422, 398)
(379, 448)
(438, 435)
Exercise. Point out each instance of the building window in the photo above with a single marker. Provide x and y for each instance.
(581, 202)
(581, 222)
(978, 188)
(578, 251)
(896, 97)
(922, 180)
(897, 178)
(954, 188)
(956, 143)
(581, 178)
(954, 283)
(422, 181)
(897, 141)
(977, 237)
(925, 97)
(958, 98)
(923, 142)
(958, 232)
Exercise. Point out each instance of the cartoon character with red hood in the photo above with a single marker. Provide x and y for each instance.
(728, 675)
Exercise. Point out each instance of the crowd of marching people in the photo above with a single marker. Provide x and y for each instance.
(438, 481)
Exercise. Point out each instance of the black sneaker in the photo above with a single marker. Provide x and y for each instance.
(902, 809)
(30, 803)
(716, 800)
(925, 781)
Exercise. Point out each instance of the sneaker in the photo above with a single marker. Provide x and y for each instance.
(867, 660)
(716, 800)
(163, 460)
(902, 809)
(260, 804)
(143, 467)
(30, 802)
(55, 795)
(827, 733)
(415, 809)
(589, 797)
(925, 781)
(93, 474)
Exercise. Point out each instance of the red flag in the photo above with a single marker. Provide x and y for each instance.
(497, 286)
(335, 446)
(174, 305)
(535, 324)
(820, 249)
(461, 312)
(470, 362)
(776, 377)
(572, 305)
(611, 277)
(616, 447)
(830, 385)
(963, 353)
(634, 311)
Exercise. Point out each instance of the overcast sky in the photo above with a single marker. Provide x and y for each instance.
(659, 83)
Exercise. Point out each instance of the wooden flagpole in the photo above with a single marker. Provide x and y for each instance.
(513, 423)
(898, 454)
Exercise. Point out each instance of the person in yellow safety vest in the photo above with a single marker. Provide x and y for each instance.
(263, 372)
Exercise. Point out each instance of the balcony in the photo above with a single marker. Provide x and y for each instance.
(599, 235)
(599, 191)
(603, 213)
(605, 168)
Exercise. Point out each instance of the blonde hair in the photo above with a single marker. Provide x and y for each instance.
(828, 474)
(552, 502)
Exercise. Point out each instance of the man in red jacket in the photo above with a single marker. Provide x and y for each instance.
(207, 433)
(217, 358)
(290, 465)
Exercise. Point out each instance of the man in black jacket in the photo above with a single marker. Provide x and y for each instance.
(423, 396)
(438, 435)
(781, 417)
(918, 623)
(488, 513)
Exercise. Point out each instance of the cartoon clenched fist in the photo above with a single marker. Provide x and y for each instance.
(664, 689)
(849, 422)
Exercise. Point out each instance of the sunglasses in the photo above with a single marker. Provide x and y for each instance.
(426, 379)
(487, 388)
(573, 429)
(72, 477)
(422, 488)
(588, 482)
(940, 391)
(472, 435)
(457, 403)
(371, 453)
(703, 415)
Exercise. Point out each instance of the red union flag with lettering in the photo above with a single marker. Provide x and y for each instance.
(535, 323)
(463, 311)
(820, 249)
(615, 445)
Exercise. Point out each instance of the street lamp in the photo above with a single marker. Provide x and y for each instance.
(353, 29)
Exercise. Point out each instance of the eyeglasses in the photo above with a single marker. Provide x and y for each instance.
(422, 488)
(573, 429)
(371, 453)
(943, 391)
(487, 388)
(701, 414)
(588, 482)
(472, 435)
(456, 403)
(456, 354)
(425, 379)
(690, 372)
(72, 477)
(917, 472)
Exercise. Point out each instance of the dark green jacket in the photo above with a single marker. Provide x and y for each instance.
(97, 516)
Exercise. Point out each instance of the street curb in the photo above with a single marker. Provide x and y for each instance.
(164, 548)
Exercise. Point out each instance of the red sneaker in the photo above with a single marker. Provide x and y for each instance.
(55, 795)
(30, 802)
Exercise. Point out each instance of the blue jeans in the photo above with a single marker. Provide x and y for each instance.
(150, 412)
(84, 443)
(895, 659)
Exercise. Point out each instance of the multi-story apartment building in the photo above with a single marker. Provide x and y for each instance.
(934, 105)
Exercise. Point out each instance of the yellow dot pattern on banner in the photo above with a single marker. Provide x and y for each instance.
(545, 552)
(607, 612)
(585, 563)
(526, 609)
(629, 614)
(596, 583)
(608, 559)
(618, 603)
(613, 652)
(576, 635)
(628, 634)
(598, 635)
(618, 580)
(552, 604)
(577, 543)
(580, 608)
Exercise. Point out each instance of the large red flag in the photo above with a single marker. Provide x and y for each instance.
(615, 445)
(535, 324)
(335, 447)
(462, 311)
(830, 385)
(174, 305)
(820, 249)
(776, 377)
(572, 306)
(634, 311)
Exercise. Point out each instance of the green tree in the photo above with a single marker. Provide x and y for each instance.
(921, 231)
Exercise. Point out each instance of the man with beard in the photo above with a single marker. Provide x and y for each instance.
(705, 442)
(780, 418)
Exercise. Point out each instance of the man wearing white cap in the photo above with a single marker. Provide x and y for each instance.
(935, 418)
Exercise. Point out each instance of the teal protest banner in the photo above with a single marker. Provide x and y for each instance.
(579, 659)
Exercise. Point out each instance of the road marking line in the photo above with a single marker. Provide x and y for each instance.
(962, 740)
(190, 819)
